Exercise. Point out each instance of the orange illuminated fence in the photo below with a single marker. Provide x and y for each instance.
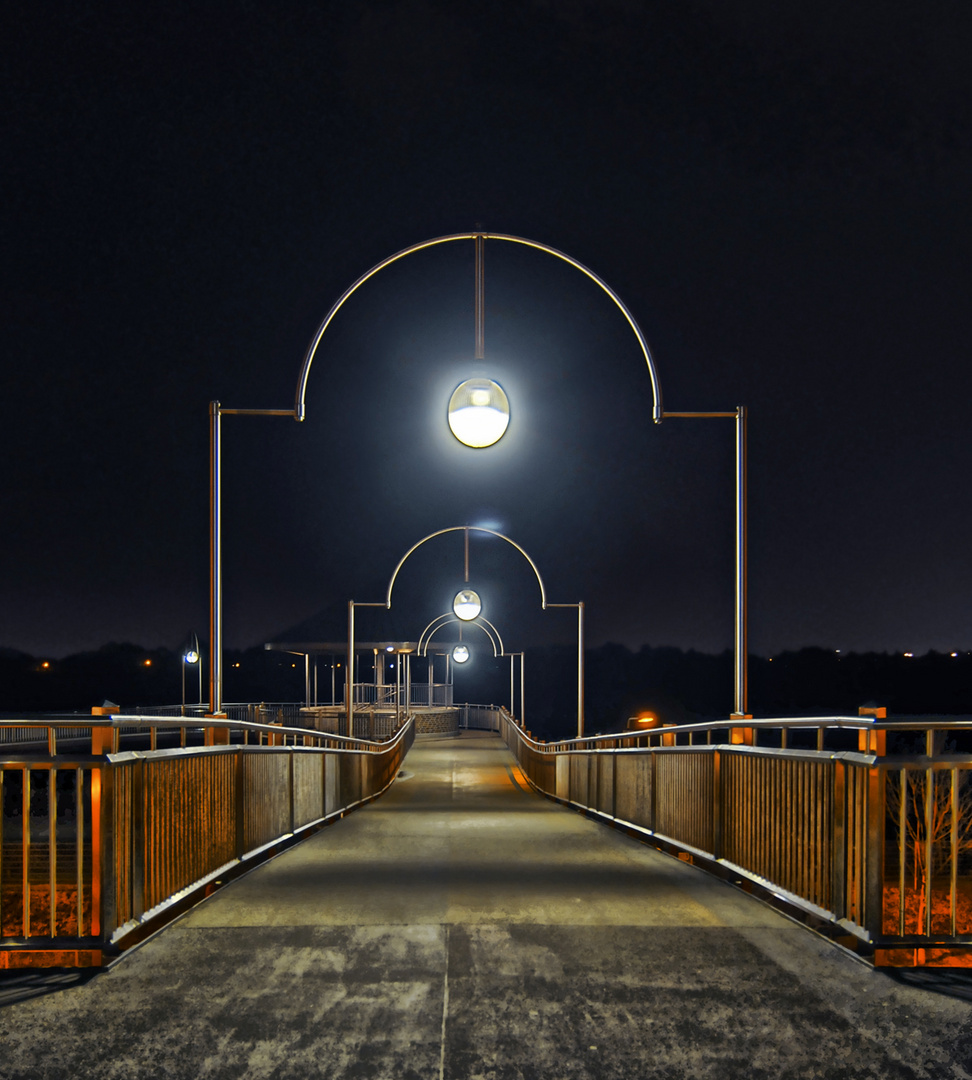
(875, 846)
(99, 847)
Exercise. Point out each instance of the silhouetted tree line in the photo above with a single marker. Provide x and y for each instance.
(130, 675)
(677, 685)
(681, 686)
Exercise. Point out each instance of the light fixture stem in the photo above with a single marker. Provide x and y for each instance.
(480, 300)
(466, 531)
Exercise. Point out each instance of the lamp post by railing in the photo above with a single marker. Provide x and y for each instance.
(512, 656)
(580, 664)
(216, 412)
(741, 637)
(191, 655)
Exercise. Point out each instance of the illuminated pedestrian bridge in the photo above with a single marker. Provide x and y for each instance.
(465, 919)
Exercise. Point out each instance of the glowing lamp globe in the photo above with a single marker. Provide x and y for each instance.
(460, 654)
(467, 605)
(479, 412)
(192, 657)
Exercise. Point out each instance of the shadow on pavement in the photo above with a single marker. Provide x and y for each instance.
(954, 982)
(20, 985)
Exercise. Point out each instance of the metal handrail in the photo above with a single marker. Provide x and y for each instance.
(133, 723)
(876, 847)
(112, 843)
(648, 736)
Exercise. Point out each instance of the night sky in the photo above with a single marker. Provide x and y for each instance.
(779, 193)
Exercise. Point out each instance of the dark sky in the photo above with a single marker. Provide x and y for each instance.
(780, 193)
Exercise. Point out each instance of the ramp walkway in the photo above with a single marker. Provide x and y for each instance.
(463, 926)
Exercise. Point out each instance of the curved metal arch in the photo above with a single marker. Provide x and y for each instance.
(299, 408)
(448, 618)
(466, 528)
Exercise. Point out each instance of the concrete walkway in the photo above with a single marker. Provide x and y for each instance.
(464, 927)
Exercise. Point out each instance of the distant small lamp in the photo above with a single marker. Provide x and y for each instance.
(479, 412)
(191, 656)
(467, 605)
(460, 654)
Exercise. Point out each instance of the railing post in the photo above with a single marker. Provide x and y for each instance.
(874, 855)
(139, 825)
(838, 902)
(716, 804)
(653, 770)
(240, 799)
(217, 736)
(103, 903)
(291, 756)
(742, 736)
(104, 740)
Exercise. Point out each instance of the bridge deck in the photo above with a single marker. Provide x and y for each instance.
(464, 927)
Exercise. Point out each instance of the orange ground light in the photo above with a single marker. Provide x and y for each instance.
(940, 924)
(66, 911)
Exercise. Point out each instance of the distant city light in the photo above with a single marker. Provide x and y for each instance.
(909, 654)
(479, 412)
(460, 654)
(147, 663)
(192, 657)
(954, 654)
(46, 663)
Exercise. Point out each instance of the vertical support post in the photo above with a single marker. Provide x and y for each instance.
(717, 804)
(874, 852)
(25, 847)
(307, 693)
(953, 854)
(139, 828)
(349, 675)
(215, 567)
(580, 670)
(239, 803)
(479, 306)
(742, 569)
(522, 695)
(512, 700)
(52, 843)
(930, 798)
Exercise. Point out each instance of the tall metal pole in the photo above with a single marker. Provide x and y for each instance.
(215, 568)
(580, 664)
(349, 676)
(480, 301)
(742, 569)
(580, 670)
(522, 695)
(216, 411)
(741, 635)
